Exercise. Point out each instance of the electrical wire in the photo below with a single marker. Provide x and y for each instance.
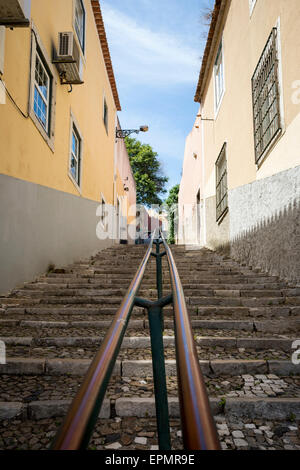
(6, 90)
(13, 101)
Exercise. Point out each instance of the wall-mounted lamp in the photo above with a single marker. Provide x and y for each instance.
(121, 134)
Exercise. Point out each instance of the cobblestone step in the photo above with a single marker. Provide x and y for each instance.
(231, 328)
(45, 387)
(244, 324)
(131, 433)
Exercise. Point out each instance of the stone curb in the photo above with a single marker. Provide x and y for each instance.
(59, 408)
(145, 407)
(143, 342)
(272, 409)
(71, 367)
(11, 410)
(143, 368)
(238, 367)
(276, 409)
(24, 366)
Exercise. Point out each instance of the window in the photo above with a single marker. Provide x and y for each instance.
(80, 22)
(266, 99)
(221, 184)
(105, 114)
(103, 210)
(42, 90)
(103, 213)
(42, 84)
(2, 48)
(76, 154)
(251, 5)
(219, 77)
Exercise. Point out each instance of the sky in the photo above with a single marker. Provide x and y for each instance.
(156, 48)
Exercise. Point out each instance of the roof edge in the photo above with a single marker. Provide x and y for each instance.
(217, 17)
(105, 51)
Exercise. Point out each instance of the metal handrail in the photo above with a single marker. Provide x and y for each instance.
(198, 426)
(84, 411)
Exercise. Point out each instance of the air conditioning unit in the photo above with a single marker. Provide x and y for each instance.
(14, 13)
(68, 59)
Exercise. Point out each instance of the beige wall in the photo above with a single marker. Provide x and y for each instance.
(192, 174)
(244, 39)
(45, 217)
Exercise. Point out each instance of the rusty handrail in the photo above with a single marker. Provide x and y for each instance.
(84, 411)
(198, 427)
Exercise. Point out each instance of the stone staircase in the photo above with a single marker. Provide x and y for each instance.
(244, 324)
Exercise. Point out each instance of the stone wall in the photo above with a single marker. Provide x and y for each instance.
(265, 224)
(217, 234)
(41, 226)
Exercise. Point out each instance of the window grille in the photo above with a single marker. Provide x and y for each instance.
(265, 95)
(221, 184)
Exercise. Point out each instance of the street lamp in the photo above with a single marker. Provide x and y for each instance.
(121, 134)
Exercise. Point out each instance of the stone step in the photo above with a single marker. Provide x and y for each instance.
(143, 342)
(89, 312)
(195, 301)
(255, 326)
(269, 408)
(95, 284)
(42, 290)
(143, 368)
(243, 301)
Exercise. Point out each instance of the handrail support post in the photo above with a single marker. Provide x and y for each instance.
(159, 378)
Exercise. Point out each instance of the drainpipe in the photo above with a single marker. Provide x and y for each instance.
(115, 182)
(203, 178)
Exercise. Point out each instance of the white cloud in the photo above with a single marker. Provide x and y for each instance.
(143, 56)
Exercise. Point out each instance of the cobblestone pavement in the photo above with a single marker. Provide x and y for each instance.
(140, 434)
(244, 323)
(43, 388)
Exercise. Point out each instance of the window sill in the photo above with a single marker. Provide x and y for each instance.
(270, 148)
(217, 110)
(75, 184)
(49, 140)
(222, 217)
(252, 8)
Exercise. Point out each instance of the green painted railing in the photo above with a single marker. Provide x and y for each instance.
(198, 426)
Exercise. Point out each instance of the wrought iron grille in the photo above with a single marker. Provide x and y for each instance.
(221, 183)
(265, 95)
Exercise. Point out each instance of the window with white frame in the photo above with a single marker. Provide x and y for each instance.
(80, 22)
(251, 5)
(103, 212)
(76, 153)
(219, 77)
(42, 92)
(2, 48)
(105, 114)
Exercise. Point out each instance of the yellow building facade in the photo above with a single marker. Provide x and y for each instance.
(246, 135)
(58, 117)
